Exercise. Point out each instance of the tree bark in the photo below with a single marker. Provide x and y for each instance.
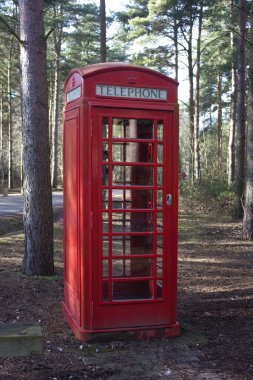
(10, 123)
(175, 41)
(248, 209)
(38, 214)
(219, 118)
(240, 140)
(197, 102)
(102, 16)
(1, 134)
(55, 132)
(191, 101)
(231, 143)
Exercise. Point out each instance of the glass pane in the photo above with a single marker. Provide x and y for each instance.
(105, 168)
(159, 221)
(132, 290)
(105, 171)
(159, 244)
(142, 245)
(159, 267)
(104, 199)
(105, 217)
(105, 291)
(159, 198)
(121, 245)
(132, 267)
(159, 289)
(119, 198)
(132, 152)
(160, 130)
(105, 269)
(132, 199)
(132, 222)
(159, 249)
(159, 176)
(133, 128)
(159, 153)
(105, 129)
(132, 175)
(105, 246)
(132, 245)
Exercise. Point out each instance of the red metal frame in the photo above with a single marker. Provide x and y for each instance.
(87, 310)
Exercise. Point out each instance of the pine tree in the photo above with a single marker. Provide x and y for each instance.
(38, 214)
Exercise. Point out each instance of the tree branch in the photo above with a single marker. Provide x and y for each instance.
(10, 29)
(49, 33)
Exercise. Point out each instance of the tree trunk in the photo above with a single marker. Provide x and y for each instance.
(231, 143)
(10, 123)
(175, 41)
(1, 135)
(219, 118)
(55, 134)
(191, 103)
(197, 102)
(240, 140)
(102, 16)
(248, 209)
(38, 214)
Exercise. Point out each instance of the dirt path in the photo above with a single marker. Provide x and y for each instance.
(215, 312)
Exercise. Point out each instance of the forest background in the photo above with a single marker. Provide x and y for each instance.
(210, 40)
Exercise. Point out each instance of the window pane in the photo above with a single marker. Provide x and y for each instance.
(105, 217)
(132, 222)
(132, 152)
(159, 244)
(159, 153)
(105, 269)
(132, 175)
(132, 199)
(132, 128)
(132, 245)
(132, 267)
(105, 291)
(159, 176)
(160, 130)
(159, 198)
(105, 128)
(159, 289)
(121, 245)
(105, 246)
(159, 221)
(132, 290)
(159, 267)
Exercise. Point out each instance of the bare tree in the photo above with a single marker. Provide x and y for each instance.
(38, 215)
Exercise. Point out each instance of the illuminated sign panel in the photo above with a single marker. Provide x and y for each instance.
(131, 92)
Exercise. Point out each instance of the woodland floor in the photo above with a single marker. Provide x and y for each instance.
(215, 311)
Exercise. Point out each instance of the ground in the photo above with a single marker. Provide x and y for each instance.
(215, 311)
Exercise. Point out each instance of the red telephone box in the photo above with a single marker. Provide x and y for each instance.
(120, 201)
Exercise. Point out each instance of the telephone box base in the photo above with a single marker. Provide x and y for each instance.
(132, 333)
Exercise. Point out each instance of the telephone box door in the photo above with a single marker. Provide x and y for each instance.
(133, 274)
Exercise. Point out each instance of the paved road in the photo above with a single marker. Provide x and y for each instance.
(13, 203)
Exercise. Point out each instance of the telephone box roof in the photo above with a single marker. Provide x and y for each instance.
(99, 68)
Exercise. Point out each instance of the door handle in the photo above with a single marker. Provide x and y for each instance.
(168, 199)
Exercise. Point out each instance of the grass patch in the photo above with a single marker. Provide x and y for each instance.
(10, 224)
